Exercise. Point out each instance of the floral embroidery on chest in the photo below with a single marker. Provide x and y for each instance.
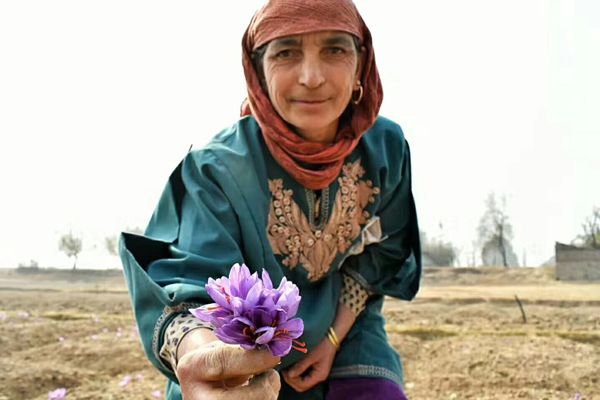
(292, 236)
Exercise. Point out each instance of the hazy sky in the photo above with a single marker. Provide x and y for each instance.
(99, 101)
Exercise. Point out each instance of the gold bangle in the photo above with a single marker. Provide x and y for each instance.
(333, 338)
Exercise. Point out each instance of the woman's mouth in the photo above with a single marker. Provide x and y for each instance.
(309, 101)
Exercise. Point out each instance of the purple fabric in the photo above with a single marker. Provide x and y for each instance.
(364, 389)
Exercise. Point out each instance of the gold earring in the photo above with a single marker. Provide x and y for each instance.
(360, 93)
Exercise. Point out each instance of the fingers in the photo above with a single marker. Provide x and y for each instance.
(299, 384)
(297, 377)
(313, 369)
(295, 383)
(301, 366)
(264, 386)
(233, 382)
(304, 382)
(219, 362)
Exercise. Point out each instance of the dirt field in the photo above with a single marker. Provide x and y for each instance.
(464, 337)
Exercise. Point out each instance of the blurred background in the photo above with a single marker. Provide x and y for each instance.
(99, 101)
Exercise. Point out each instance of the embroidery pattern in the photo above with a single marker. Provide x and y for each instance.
(290, 233)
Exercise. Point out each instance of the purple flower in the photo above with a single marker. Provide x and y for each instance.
(250, 312)
(58, 394)
(156, 393)
(125, 381)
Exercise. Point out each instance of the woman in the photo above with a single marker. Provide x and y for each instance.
(310, 184)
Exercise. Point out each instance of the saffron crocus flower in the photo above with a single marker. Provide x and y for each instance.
(250, 312)
(58, 394)
(125, 381)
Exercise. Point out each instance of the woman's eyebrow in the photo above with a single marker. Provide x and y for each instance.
(338, 40)
(288, 41)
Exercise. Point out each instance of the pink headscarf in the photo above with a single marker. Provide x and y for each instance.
(279, 18)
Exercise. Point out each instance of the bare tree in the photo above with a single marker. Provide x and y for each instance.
(591, 230)
(71, 246)
(111, 243)
(439, 252)
(495, 233)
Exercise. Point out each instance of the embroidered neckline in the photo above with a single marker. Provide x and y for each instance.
(315, 244)
(317, 218)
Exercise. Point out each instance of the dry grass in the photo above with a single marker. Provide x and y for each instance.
(462, 338)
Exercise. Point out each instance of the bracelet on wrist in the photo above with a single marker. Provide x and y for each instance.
(333, 338)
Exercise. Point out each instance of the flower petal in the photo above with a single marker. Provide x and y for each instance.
(219, 291)
(266, 279)
(234, 333)
(263, 316)
(205, 312)
(237, 305)
(253, 296)
(280, 347)
(240, 280)
(266, 334)
(292, 328)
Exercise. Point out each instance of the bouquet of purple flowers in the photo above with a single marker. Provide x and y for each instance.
(250, 312)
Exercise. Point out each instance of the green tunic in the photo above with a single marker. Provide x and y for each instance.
(230, 202)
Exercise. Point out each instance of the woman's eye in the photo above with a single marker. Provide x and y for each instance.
(337, 50)
(284, 54)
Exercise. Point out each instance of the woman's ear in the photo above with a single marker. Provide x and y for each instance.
(361, 62)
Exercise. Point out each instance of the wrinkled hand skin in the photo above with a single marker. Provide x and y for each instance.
(219, 371)
(312, 369)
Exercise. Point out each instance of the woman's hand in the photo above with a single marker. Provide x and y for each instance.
(210, 369)
(315, 367)
(312, 369)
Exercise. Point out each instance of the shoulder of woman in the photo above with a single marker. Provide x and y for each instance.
(234, 152)
(387, 127)
(231, 145)
(385, 135)
(234, 138)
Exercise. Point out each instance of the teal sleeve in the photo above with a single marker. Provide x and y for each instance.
(392, 267)
(193, 235)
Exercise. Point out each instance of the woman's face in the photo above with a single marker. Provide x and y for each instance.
(310, 79)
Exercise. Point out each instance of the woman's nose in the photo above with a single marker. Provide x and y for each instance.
(311, 72)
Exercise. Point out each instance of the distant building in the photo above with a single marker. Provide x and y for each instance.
(576, 263)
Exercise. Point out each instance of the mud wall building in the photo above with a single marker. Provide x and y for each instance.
(577, 263)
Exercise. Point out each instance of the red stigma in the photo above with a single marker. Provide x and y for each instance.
(299, 346)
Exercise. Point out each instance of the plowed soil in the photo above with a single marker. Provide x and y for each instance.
(463, 337)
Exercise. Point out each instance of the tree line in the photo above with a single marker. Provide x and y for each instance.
(494, 239)
(72, 245)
